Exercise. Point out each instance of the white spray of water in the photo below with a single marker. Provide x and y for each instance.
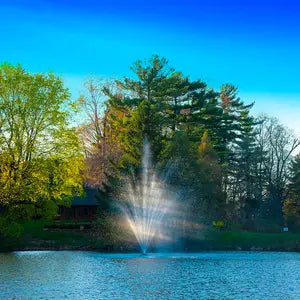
(148, 201)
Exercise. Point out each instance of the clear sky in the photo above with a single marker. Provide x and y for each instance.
(252, 44)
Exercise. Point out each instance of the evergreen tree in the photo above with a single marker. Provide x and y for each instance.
(294, 185)
(210, 178)
(291, 207)
(180, 159)
(245, 189)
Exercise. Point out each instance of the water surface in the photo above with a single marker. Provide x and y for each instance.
(90, 275)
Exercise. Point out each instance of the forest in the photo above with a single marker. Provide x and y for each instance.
(229, 167)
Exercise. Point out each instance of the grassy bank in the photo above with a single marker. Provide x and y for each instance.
(35, 237)
(242, 240)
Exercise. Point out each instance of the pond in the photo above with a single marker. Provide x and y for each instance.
(92, 275)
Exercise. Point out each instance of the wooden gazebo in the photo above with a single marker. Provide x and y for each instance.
(83, 208)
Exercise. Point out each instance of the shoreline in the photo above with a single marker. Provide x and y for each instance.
(35, 238)
(137, 250)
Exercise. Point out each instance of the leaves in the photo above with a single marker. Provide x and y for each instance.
(40, 155)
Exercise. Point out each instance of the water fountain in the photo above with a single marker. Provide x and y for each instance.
(147, 202)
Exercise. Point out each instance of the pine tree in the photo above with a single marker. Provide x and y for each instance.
(210, 177)
(245, 186)
(236, 139)
(291, 206)
(294, 186)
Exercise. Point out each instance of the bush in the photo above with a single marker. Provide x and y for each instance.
(219, 224)
(9, 228)
(48, 210)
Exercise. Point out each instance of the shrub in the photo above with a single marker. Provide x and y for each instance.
(219, 224)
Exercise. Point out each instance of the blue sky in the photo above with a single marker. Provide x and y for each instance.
(252, 44)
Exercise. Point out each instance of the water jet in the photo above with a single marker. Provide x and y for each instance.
(148, 200)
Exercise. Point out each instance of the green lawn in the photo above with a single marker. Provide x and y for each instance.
(247, 240)
(35, 237)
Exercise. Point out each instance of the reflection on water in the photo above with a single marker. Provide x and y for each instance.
(90, 275)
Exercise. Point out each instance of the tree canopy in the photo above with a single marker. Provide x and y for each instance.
(225, 162)
(227, 166)
(40, 155)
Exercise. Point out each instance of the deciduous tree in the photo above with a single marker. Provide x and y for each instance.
(40, 155)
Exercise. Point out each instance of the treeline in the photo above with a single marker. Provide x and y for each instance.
(225, 164)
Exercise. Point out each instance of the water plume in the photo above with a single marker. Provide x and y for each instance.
(148, 200)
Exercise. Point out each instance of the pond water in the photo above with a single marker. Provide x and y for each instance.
(207, 275)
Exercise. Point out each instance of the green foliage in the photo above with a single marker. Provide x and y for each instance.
(10, 228)
(290, 213)
(21, 211)
(210, 174)
(207, 137)
(294, 185)
(223, 162)
(291, 206)
(40, 156)
(140, 110)
(218, 224)
(34, 236)
(48, 210)
(242, 240)
(180, 158)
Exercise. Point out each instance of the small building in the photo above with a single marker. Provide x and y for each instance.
(83, 208)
